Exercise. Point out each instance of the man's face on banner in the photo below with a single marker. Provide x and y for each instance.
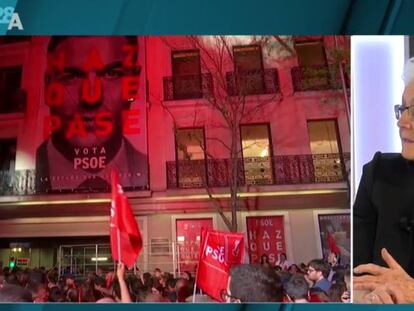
(92, 104)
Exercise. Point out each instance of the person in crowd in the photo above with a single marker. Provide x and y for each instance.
(182, 289)
(293, 269)
(264, 260)
(102, 288)
(2, 279)
(72, 295)
(283, 262)
(136, 287)
(157, 273)
(147, 279)
(157, 288)
(316, 294)
(337, 292)
(253, 283)
(383, 214)
(333, 260)
(105, 300)
(11, 278)
(38, 290)
(100, 272)
(191, 281)
(56, 295)
(170, 292)
(155, 298)
(297, 289)
(247, 283)
(198, 298)
(52, 279)
(15, 293)
(318, 271)
(22, 277)
(187, 275)
(124, 294)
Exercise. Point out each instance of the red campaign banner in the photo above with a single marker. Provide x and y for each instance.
(220, 250)
(93, 116)
(188, 241)
(266, 235)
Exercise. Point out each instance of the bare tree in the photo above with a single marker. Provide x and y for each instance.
(236, 97)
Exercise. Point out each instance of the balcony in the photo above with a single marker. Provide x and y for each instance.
(316, 78)
(188, 86)
(254, 82)
(23, 182)
(17, 183)
(277, 170)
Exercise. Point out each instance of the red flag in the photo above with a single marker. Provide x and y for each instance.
(218, 252)
(126, 241)
(333, 248)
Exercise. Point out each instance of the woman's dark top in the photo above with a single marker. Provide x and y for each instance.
(383, 212)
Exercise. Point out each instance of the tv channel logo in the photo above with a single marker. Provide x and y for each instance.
(9, 18)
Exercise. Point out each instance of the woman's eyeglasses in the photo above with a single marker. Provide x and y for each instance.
(399, 110)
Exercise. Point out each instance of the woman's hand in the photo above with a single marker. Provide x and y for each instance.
(385, 294)
(388, 285)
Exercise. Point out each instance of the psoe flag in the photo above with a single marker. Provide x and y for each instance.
(126, 241)
(218, 252)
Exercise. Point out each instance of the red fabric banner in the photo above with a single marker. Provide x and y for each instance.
(219, 251)
(332, 244)
(266, 235)
(126, 241)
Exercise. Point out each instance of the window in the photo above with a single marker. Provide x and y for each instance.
(190, 144)
(248, 67)
(160, 247)
(310, 53)
(191, 170)
(257, 154)
(7, 154)
(313, 64)
(325, 148)
(186, 74)
(10, 81)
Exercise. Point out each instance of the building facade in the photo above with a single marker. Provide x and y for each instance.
(281, 103)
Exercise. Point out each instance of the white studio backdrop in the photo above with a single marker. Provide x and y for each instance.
(377, 64)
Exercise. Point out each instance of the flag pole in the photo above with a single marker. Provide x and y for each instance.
(198, 265)
(118, 232)
(195, 286)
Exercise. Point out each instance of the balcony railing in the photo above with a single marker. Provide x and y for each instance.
(277, 170)
(315, 78)
(188, 86)
(253, 82)
(18, 182)
(23, 182)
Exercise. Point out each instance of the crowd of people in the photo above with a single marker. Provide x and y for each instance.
(318, 281)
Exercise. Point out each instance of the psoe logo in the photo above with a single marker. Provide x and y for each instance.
(11, 18)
